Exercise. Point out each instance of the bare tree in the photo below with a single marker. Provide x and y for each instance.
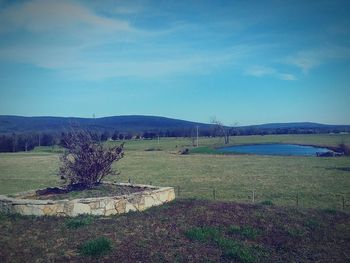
(221, 130)
(86, 161)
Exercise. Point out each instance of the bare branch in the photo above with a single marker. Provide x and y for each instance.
(86, 161)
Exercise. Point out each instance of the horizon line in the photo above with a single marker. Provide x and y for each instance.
(158, 116)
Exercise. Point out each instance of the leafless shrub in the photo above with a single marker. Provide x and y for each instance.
(86, 161)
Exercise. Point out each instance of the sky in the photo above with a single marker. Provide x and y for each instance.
(241, 62)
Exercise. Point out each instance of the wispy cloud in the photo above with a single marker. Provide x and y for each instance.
(91, 47)
(73, 62)
(261, 71)
(53, 15)
(309, 59)
(286, 76)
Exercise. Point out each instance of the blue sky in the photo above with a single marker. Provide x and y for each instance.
(243, 62)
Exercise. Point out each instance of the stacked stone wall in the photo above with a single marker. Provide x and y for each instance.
(105, 206)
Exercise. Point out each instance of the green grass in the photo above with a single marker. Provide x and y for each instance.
(96, 247)
(185, 230)
(231, 248)
(205, 150)
(244, 231)
(74, 223)
(204, 234)
(320, 182)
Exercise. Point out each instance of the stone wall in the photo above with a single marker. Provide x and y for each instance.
(111, 205)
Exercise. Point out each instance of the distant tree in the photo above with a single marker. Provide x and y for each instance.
(149, 135)
(86, 161)
(121, 136)
(221, 130)
(6, 144)
(128, 136)
(14, 142)
(105, 136)
(47, 139)
(115, 136)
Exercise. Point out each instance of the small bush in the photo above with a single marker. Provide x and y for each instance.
(74, 223)
(85, 161)
(96, 247)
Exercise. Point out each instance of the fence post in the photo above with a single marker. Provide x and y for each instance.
(343, 200)
(129, 181)
(214, 197)
(253, 197)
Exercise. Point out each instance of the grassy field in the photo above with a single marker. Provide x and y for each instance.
(310, 181)
(192, 230)
(181, 231)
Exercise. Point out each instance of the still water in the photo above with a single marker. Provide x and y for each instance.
(275, 149)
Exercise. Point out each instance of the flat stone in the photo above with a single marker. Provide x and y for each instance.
(79, 209)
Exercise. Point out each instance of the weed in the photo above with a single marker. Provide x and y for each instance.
(74, 223)
(203, 234)
(246, 231)
(96, 247)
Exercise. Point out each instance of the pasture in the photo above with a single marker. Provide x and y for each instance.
(303, 181)
(188, 229)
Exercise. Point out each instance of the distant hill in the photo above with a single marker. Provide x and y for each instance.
(297, 125)
(132, 123)
(140, 123)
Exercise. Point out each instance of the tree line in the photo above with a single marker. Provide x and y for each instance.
(27, 141)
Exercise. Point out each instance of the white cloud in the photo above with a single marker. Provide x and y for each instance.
(69, 37)
(56, 15)
(261, 71)
(286, 76)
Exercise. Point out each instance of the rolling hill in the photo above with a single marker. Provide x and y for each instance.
(138, 123)
(131, 123)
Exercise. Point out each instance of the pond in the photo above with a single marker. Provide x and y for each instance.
(275, 149)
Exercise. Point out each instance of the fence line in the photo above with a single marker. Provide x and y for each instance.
(253, 196)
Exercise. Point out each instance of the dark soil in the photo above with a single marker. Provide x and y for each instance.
(184, 231)
(98, 191)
